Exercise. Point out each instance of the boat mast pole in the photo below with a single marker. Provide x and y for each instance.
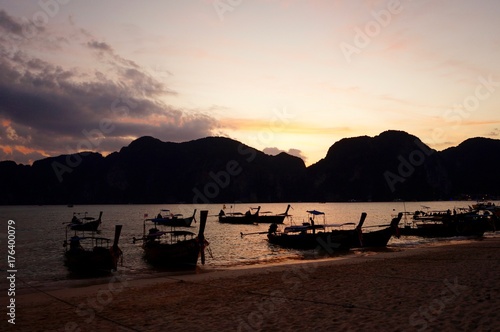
(405, 214)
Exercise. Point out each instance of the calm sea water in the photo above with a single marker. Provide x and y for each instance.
(40, 234)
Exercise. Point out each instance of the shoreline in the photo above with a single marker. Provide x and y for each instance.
(352, 256)
(445, 287)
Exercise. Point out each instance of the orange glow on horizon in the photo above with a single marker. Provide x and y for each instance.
(260, 125)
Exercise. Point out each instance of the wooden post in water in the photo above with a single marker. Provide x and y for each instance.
(118, 230)
(115, 251)
(201, 235)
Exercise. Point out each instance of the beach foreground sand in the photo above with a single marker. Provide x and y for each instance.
(445, 288)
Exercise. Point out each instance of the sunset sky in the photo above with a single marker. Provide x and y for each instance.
(278, 75)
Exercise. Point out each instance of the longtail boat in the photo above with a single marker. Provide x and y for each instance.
(267, 218)
(310, 236)
(378, 238)
(166, 218)
(447, 224)
(174, 248)
(85, 223)
(239, 218)
(90, 254)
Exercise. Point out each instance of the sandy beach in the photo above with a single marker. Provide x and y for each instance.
(453, 287)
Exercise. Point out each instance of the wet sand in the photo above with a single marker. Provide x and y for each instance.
(442, 288)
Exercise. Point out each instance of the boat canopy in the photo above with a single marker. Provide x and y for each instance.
(79, 238)
(181, 233)
(292, 229)
(174, 233)
(340, 225)
(315, 212)
(156, 234)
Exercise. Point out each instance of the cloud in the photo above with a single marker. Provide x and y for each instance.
(494, 133)
(273, 151)
(16, 29)
(49, 108)
(99, 46)
(9, 24)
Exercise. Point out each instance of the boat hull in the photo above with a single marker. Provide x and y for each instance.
(183, 254)
(274, 219)
(174, 222)
(242, 220)
(86, 224)
(238, 218)
(271, 219)
(326, 241)
(93, 261)
(375, 239)
(90, 226)
(450, 229)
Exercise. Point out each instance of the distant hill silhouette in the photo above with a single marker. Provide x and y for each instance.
(474, 166)
(392, 165)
